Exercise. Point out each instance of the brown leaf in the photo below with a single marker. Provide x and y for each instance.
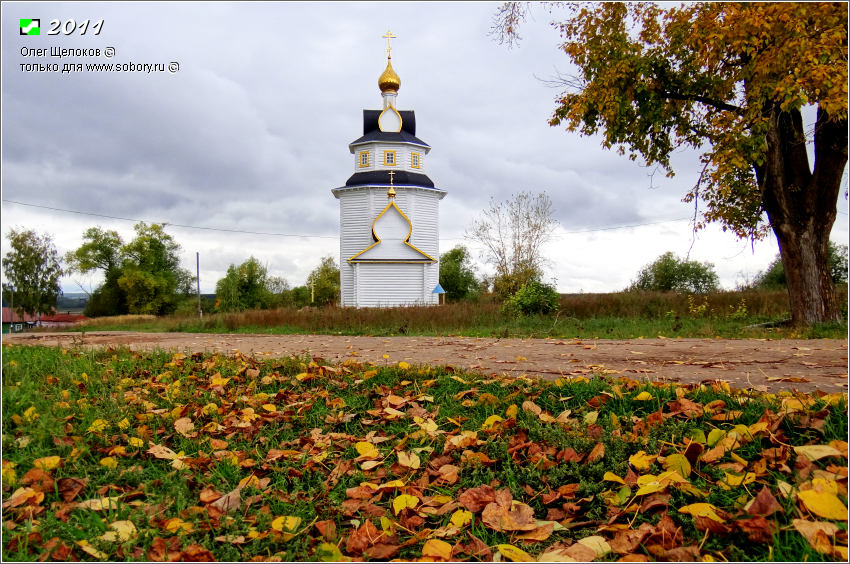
(197, 553)
(654, 501)
(540, 533)
(229, 502)
(817, 533)
(758, 529)
(366, 536)
(693, 452)
(764, 504)
(683, 554)
(163, 550)
(381, 551)
(625, 542)
(209, 495)
(597, 453)
(509, 517)
(448, 474)
(475, 548)
(327, 529)
(40, 480)
(708, 524)
(581, 553)
(476, 499)
(185, 427)
(686, 407)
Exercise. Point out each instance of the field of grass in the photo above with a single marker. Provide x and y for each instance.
(621, 315)
(113, 455)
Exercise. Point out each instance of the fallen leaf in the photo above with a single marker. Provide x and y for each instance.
(476, 499)
(514, 554)
(184, 426)
(47, 463)
(409, 460)
(404, 501)
(122, 531)
(824, 504)
(436, 548)
(763, 504)
(642, 461)
(702, 510)
(816, 452)
(461, 517)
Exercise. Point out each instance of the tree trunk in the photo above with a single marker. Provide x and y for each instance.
(801, 206)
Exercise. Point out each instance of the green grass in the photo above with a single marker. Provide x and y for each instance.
(302, 446)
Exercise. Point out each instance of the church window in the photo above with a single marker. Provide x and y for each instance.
(389, 158)
(364, 159)
(414, 160)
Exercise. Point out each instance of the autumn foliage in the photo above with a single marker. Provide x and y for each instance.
(116, 455)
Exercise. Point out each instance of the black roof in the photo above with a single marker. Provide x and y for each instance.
(382, 177)
(406, 135)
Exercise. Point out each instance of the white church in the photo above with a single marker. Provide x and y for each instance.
(389, 210)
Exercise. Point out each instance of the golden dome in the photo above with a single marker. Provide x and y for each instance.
(389, 80)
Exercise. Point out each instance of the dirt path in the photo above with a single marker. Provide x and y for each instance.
(805, 365)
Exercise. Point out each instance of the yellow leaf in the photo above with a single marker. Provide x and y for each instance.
(403, 502)
(366, 450)
(270, 407)
(436, 548)
(651, 487)
(98, 425)
(409, 460)
(643, 396)
(329, 552)
(403, 365)
(611, 477)
(491, 421)
(641, 460)
(136, 442)
(109, 462)
(219, 381)
(209, 409)
(286, 523)
(715, 436)
(122, 531)
(702, 510)
(461, 517)
(47, 463)
(124, 424)
(734, 479)
(9, 477)
(591, 417)
(824, 503)
(514, 554)
(89, 549)
(176, 524)
(679, 463)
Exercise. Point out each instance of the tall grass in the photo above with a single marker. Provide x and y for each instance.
(613, 315)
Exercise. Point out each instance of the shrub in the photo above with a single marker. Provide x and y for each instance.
(534, 297)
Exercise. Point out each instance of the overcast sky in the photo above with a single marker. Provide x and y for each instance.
(252, 133)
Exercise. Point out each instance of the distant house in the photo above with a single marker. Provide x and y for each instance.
(14, 323)
(62, 319)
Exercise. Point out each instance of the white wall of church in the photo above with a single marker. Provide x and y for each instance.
(358, 209)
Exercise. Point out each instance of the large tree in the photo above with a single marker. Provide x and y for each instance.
(142, 276)
(730, 80)
(32, 271)
(513, 233)
(323, 283)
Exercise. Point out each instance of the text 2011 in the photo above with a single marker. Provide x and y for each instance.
(68, 27)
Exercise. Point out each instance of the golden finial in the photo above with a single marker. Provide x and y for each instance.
(389, 35)
(389, 80)
(391, 191)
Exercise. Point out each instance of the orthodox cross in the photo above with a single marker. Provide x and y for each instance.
(391, 191)
(389, 35)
